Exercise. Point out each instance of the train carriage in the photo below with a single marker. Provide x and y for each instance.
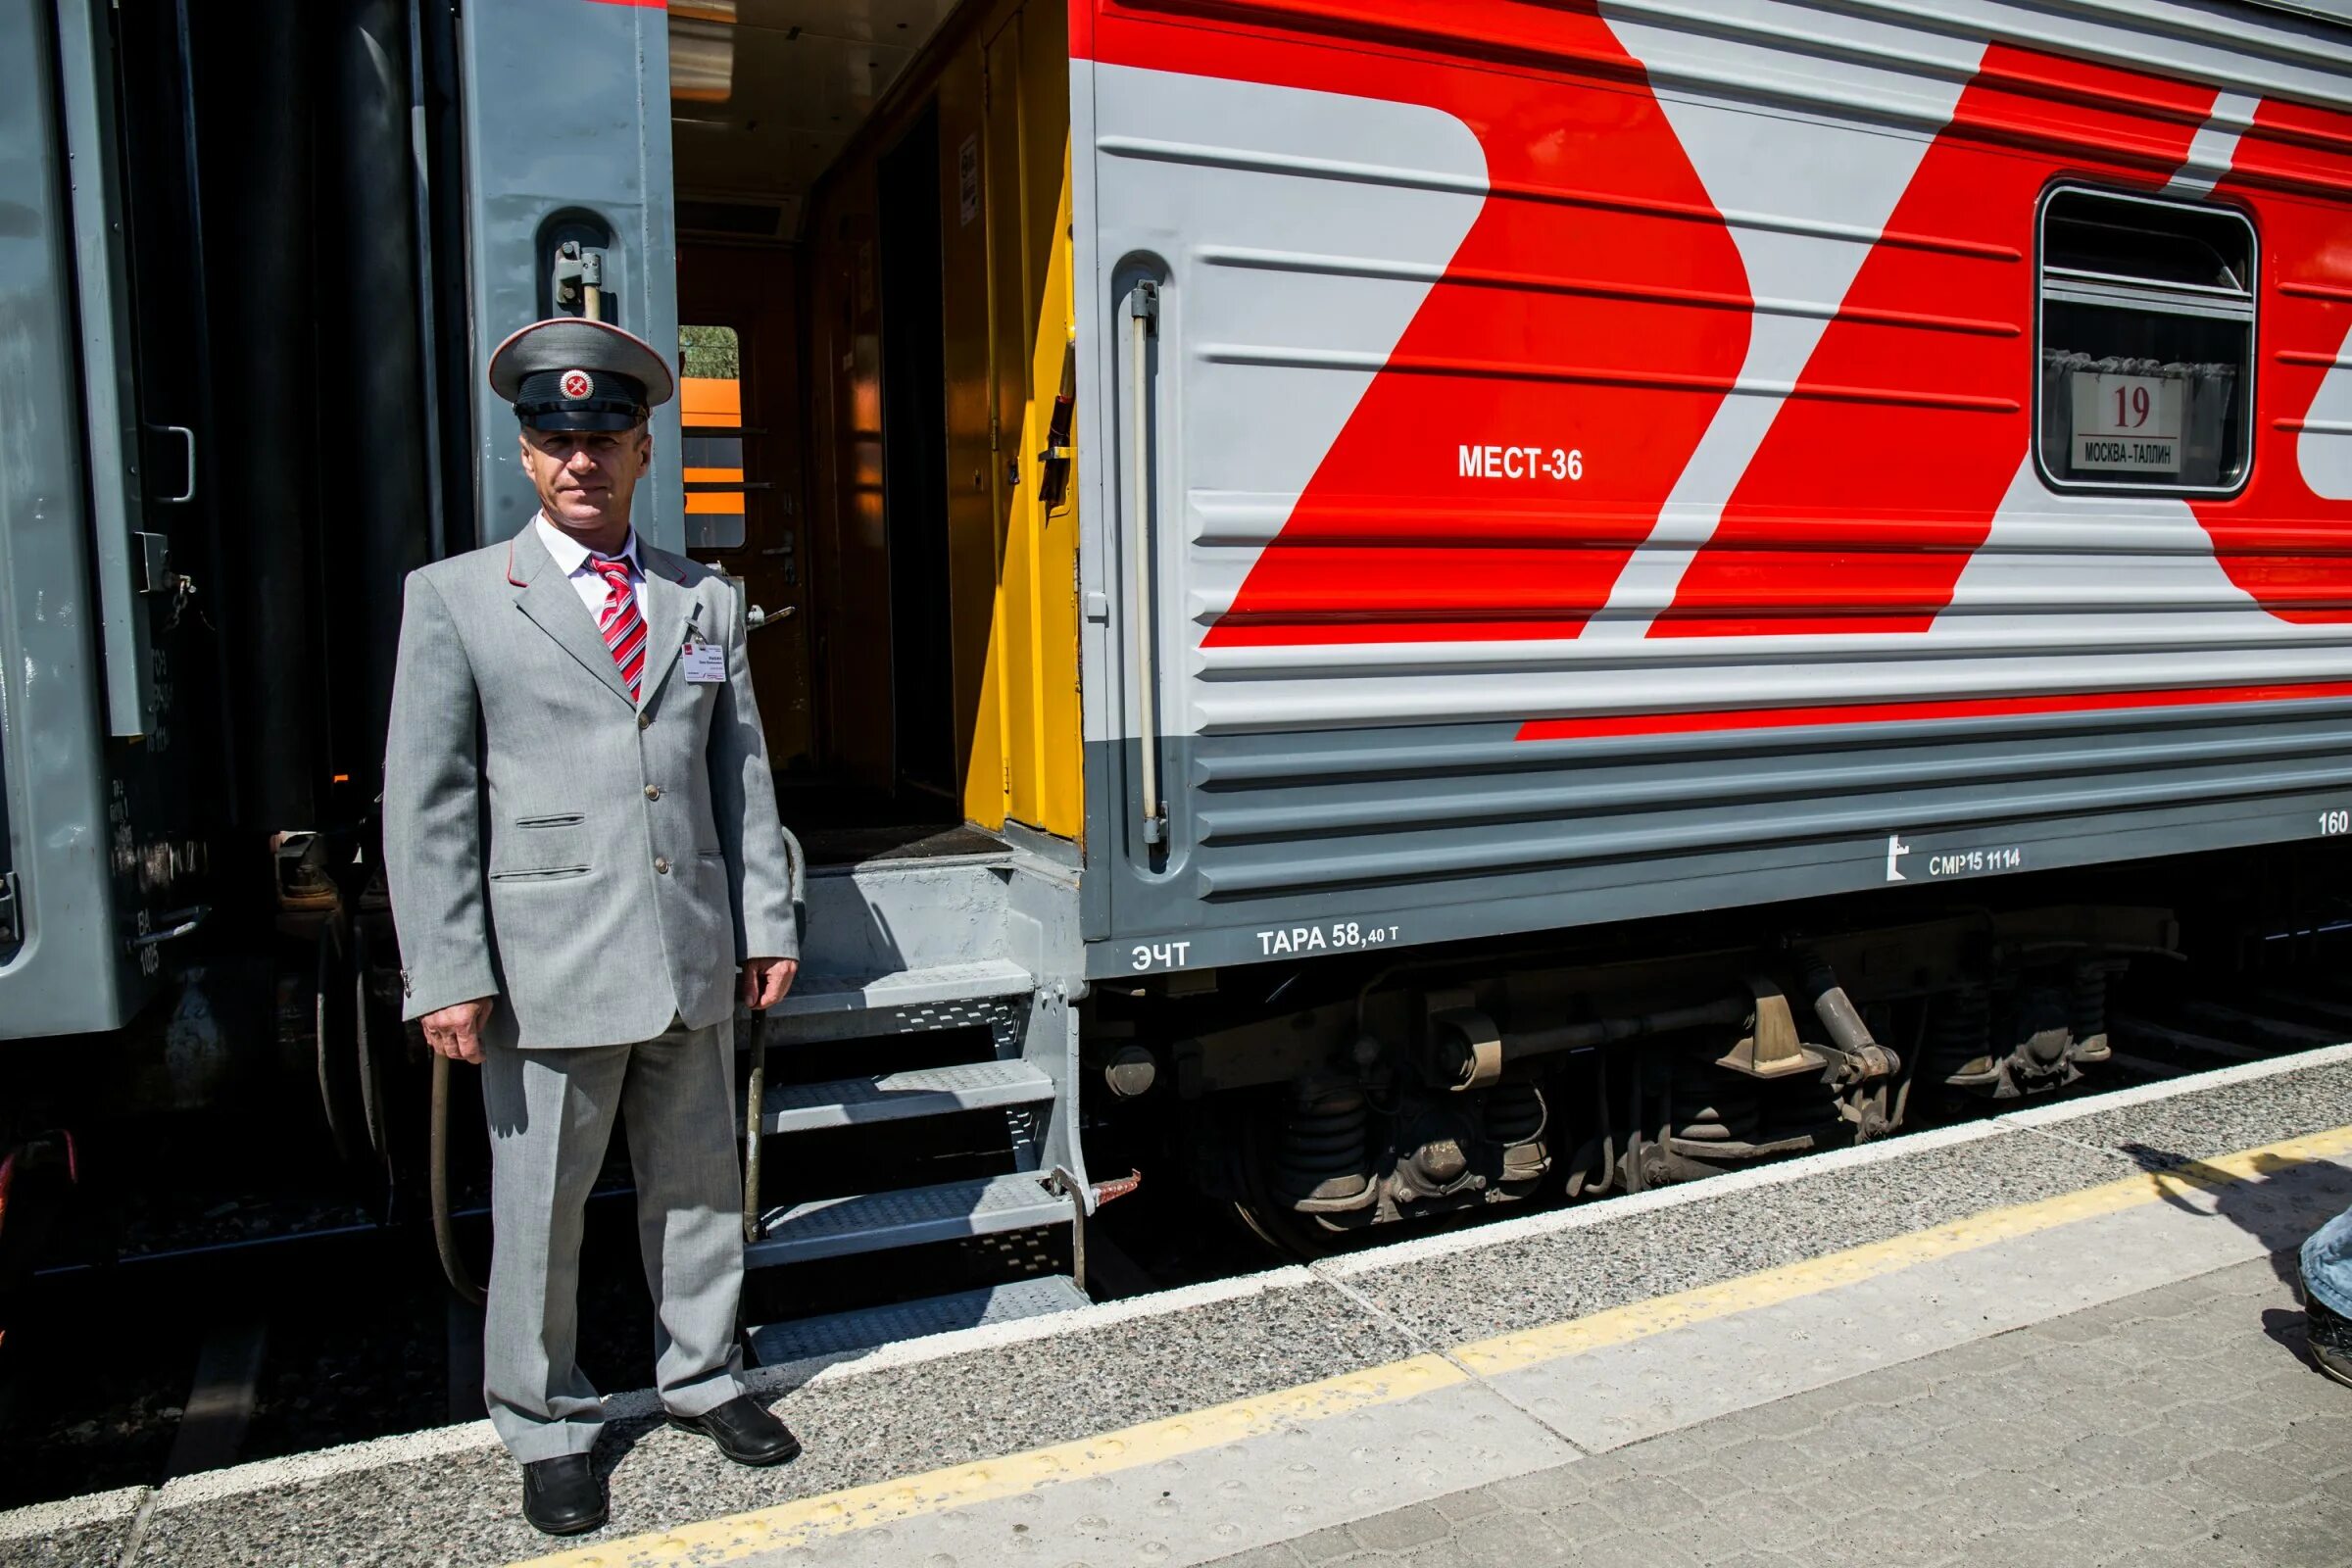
(1396, 605)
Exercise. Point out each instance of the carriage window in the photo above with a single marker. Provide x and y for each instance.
(710, 409)
(2147, 343)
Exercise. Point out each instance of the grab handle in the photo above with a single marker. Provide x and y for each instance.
(188, 491)
(1143, 320)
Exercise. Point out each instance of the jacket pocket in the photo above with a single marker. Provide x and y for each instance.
(547, 847)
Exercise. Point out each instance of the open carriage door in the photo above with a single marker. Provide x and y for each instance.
(1025, 766)
(570, 208)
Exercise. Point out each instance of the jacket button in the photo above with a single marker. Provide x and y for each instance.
(653, 792)
(645, 721)
(660, 865)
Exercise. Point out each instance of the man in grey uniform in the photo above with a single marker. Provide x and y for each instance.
(587, 873)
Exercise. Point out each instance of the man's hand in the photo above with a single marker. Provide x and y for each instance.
(765, 980)
(455, 1031)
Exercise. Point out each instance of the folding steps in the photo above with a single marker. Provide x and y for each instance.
(836, 1332)
(825, 996)
(900, 1095)
(905, 1216)
(915, 948)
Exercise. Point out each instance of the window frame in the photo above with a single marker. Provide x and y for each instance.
(2181, 295)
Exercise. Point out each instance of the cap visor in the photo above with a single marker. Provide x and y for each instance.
(584, 419)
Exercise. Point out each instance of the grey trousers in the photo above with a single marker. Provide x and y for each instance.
(551, 1117)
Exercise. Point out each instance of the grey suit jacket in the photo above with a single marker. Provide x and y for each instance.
(598, 865)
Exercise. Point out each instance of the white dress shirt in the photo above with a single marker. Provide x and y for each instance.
(572, 559)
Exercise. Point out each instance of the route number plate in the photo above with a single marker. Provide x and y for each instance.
(2126, 423)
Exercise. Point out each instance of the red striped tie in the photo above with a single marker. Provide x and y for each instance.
(623, 624)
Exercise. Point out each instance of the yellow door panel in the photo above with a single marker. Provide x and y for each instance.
(1003, 201)
(1061, 801)
(1026, 192)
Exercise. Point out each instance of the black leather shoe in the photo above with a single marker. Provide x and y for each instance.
(561, 1496)
(2331, 1335)
(744, 1432)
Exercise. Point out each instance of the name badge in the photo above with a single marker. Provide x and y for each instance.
(706, 663)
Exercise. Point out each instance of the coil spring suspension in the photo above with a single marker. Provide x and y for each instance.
(1713, 1106)
(1322, 1158)
(1515, 1113)
(1961, 1035)
(1514, 1116)
(2089, 1007)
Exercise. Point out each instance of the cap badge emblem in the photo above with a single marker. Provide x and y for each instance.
(576, 384)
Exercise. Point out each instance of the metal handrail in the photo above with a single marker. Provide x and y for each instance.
(1143, 314)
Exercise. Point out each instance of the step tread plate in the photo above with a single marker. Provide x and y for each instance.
(865, 1329)
(900, 1096)
(904, 988)
(909, 1216)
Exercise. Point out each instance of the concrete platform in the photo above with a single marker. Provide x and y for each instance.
(2175, 1428)
(2061, 1336)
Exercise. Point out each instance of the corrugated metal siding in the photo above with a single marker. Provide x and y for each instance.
(1772, 279)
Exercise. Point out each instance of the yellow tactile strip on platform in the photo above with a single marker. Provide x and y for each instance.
(1510, 1352)
(809, 1520)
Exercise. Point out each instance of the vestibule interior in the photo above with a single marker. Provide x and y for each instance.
(873, 291)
